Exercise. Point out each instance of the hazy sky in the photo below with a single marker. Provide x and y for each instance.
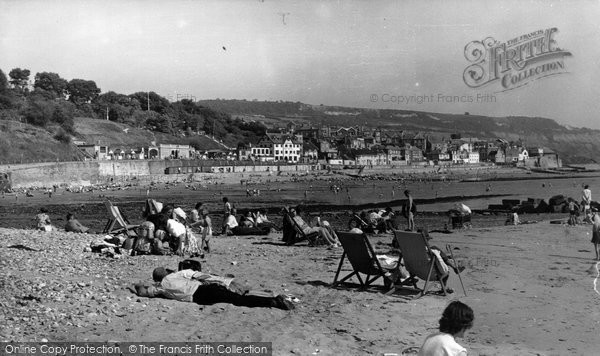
(336, 53)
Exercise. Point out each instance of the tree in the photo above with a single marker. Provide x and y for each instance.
(157, 103)
(82, 91)
(63, 115)
(52, 83)
(19, 78)
(119, 106)
(3, 81)
(38, 112)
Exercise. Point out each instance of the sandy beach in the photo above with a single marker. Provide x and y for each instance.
(532, 288)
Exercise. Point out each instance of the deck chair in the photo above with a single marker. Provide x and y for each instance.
(419, 260)
(361, 256)
(116, 218)
(312, 236)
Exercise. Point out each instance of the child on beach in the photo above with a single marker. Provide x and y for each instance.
(456, 319)
(596, 233)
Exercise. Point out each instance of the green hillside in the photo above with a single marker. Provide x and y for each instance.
(26, 143)
(21, 142)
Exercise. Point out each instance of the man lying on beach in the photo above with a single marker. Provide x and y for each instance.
(206, 289)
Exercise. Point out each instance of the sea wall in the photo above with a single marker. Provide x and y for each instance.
(98, 172)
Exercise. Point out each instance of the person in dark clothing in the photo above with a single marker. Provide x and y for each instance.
(202, 288)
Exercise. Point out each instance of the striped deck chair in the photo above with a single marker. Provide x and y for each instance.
(116, 222)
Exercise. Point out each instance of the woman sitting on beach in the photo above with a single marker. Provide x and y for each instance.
(456, 320)
(262, 221)
(323, 233)
(247, 220)
(182, 237)
(361, 222)
(353, 225)
(43, 220)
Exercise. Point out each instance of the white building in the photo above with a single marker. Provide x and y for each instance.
(279, 147)
(473, 157)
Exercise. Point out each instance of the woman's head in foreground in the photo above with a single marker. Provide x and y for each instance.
(457, 318)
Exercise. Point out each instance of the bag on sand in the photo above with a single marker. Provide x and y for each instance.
(191, 263)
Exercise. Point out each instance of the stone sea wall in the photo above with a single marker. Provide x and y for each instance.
(99, 172)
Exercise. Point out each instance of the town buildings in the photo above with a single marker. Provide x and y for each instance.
(353, 145)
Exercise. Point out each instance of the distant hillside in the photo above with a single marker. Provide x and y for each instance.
(26, 143)
(575, 145)
(113, 134)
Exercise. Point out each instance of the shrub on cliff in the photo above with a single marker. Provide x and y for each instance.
(62, 136)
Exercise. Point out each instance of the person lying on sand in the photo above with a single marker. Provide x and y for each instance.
(456, 319)
(74, 225)
(206, 289)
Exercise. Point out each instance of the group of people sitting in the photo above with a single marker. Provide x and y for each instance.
(250, 223)
(73, 225)
(374, 221)
(318, 232)
(171, 230)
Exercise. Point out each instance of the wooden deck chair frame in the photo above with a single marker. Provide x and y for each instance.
(115, 217)
(418, 258)
(359, 252)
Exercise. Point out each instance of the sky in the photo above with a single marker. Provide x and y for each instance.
(370, 54)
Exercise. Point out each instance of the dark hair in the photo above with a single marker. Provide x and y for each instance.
(168, 209)
(586, 186)
(407, 192)
(43, 210)
(456, 317)
(198, 205)
(70, 216)
(225, 200)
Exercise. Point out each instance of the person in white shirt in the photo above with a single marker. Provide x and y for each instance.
(456, 320)
(586, 201)
(178, 233)
(230, 223)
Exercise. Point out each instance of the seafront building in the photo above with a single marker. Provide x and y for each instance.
(348, 146)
